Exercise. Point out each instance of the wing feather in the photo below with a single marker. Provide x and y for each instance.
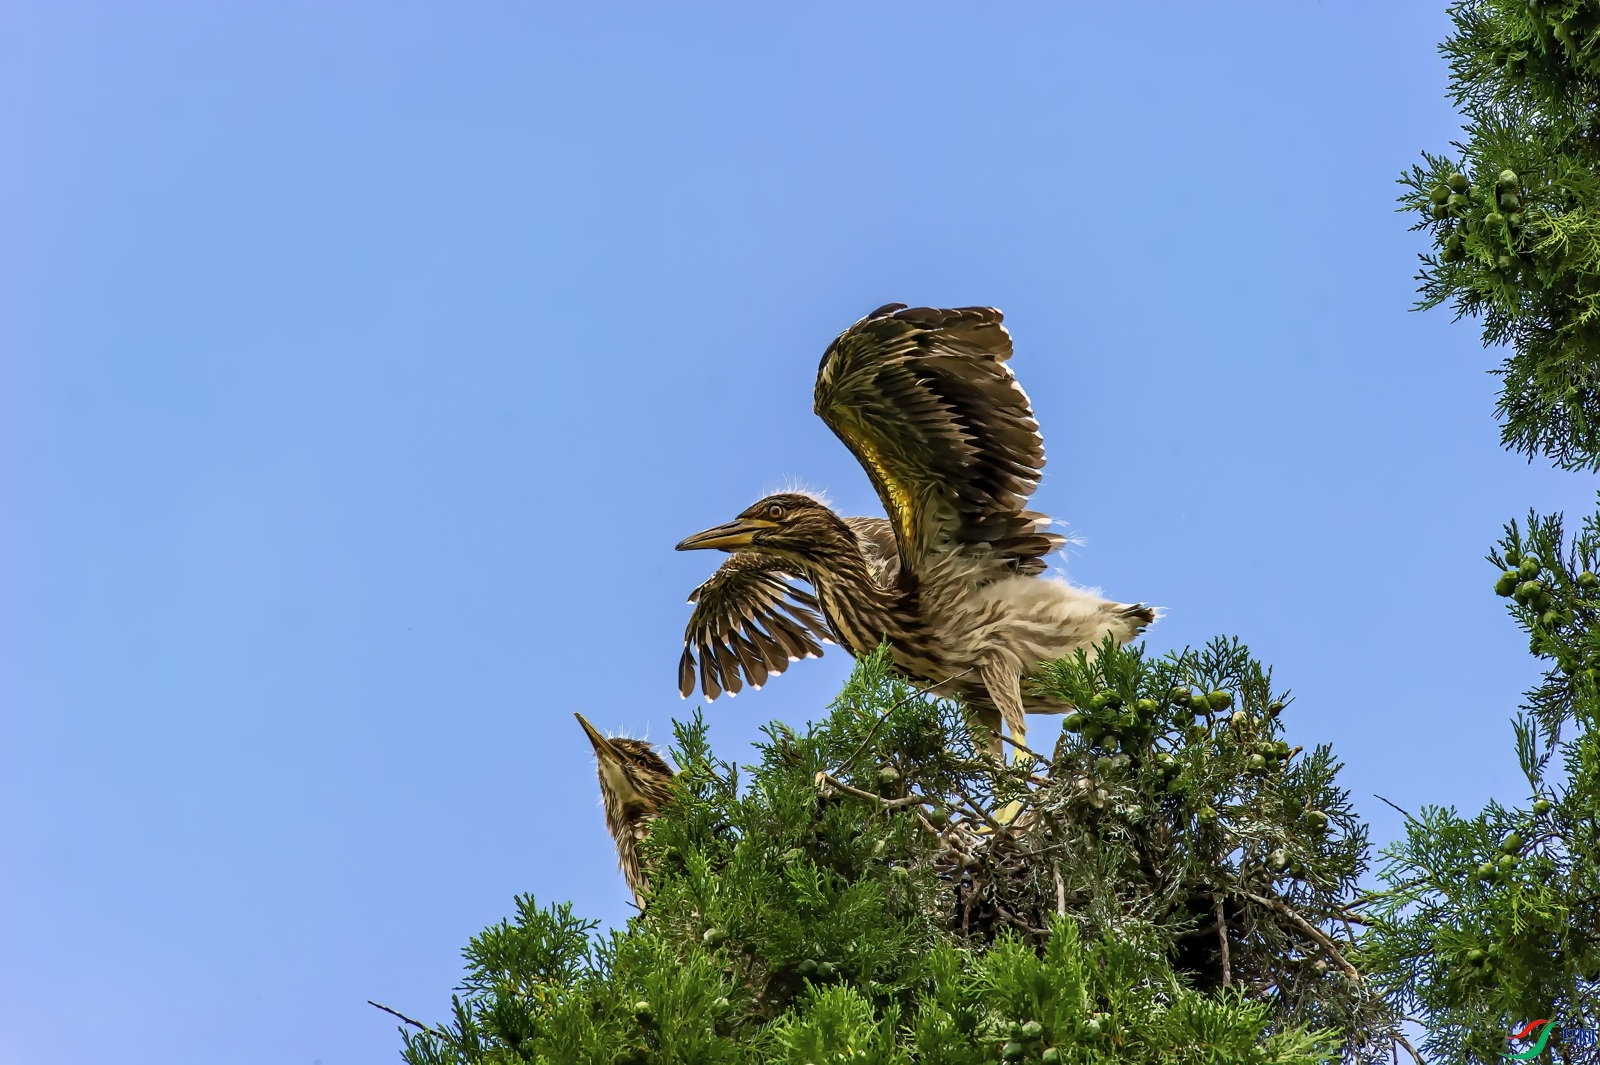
(753, 661)
(925, 401)
(748, 624)
(727, 665)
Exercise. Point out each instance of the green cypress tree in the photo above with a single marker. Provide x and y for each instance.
(1514, 216)
(1175, 889)
(1491, 921)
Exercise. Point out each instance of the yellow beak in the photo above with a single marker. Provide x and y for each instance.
(729, 536)
(602, 746)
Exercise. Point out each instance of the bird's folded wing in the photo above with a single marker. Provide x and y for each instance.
(748, 624)
(925, 401)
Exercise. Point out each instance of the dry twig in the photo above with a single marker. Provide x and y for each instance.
(910, 800)
(1009, 918)
(403, 1017)
(1035, 755)
(897, 704)
(1308, 928)
(1222, 937)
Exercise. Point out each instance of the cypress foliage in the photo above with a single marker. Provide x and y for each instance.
(1490, 921)
(1514, 214)
(850, 898)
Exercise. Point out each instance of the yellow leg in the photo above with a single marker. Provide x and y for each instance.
(1005, 691)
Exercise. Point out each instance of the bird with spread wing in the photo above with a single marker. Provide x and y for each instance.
(953, 579)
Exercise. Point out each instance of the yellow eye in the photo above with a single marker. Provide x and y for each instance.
(775, 511)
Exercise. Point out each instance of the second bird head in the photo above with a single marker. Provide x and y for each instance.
(634, 779)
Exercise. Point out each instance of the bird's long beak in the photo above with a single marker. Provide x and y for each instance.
(734, 534)
(602, 746)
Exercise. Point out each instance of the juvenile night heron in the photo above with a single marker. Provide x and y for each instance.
(953, 578)
(634, 782)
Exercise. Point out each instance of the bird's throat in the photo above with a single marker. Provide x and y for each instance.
(621, 785)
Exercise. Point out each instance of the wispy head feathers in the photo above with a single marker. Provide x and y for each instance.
(798, 487)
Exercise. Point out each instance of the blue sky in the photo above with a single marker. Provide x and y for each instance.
(361, 363)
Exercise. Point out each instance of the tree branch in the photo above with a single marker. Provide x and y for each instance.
(1222, 938)
(1308, 928)
(403, 1017)
(1012, 919)
(1025, 749)
(969, 807)
(910, 800)
(1396, 809)
(897, 704)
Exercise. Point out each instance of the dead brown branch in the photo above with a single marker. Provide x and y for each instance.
(909, 800)
(1308, 928)
(403, 1017)
(1222, 938)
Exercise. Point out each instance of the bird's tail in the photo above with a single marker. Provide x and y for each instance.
(1138, 616)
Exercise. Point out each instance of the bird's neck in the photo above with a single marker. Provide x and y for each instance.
(861, 613)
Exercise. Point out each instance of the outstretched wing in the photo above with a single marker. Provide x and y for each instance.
(925, 401)
(748, 624)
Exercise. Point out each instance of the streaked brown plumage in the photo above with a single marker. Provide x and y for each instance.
(634, 782)
(953, 577)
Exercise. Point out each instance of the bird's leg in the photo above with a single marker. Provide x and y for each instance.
(1019, 733)
(1005, 693)
(987, 718)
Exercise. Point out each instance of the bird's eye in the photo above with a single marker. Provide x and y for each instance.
(775, 511)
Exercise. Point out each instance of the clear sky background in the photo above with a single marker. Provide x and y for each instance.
(361, 363)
